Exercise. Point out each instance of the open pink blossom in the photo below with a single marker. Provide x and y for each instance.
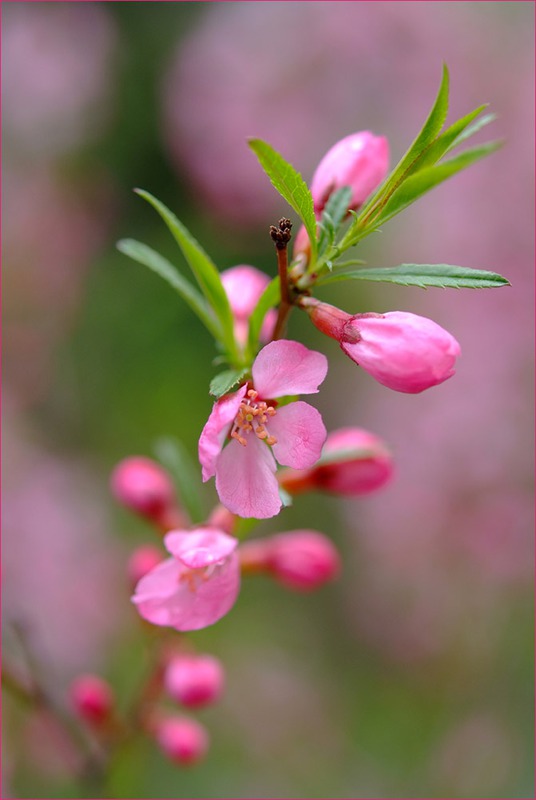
(243, 286)
(261, 432)
(194, 588)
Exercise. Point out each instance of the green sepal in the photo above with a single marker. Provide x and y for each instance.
(424, 275)
(290, 185)
(225, 381)
(333, 215)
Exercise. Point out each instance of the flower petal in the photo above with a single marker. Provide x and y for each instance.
(213, 434)
(284, 367)
(245, 479)
(154, 594)
(300, 435)
(185, 599)
(200, 547)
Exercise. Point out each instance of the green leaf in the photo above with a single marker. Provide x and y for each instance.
(472, 129)
(420, 183)
(409, 160)
(150, 258)
(205, 272)
(447, 139)
(333, 215)
(175, 457)
(424, 275)
(290, 185)
(267, 300)
(223, 383)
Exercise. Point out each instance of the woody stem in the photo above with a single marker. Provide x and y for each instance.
(281, 237)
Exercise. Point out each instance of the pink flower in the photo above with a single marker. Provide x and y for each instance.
(245, 468)
(143, 486)
(183, 740)
(143, 560)
(353, 462)
(302, 560)
(196, 587)
(244, 285)
(403, 351)
(194, 680)
(360, 161)
(92, 698)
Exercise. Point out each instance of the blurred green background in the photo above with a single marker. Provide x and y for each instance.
(412, 675)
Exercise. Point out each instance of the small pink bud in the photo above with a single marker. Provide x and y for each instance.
(360, 161)
(353, 462)
(143, 486)
(194, 680)
(243, 286)
(403, 351)
(302, 244)
(92, 698)
(303, 560)
(183, 740)
(142, 561)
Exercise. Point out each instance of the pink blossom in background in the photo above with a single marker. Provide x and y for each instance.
(245, 468)
(360, 161)
(62, 573)
(57, 76)
(244, 285)
(185, 741)
(194, 588)
(194, 679)
(92, 698)
(303, 560)
(311, 95)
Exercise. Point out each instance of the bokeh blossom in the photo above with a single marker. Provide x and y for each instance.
(194, 588)
(244, 285)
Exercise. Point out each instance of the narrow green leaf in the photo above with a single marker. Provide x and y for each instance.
(472, 129)
(173, 454)
(426, 136)
(420, 183)
(223, 383)
(205, 272)
(267, 300)
(424, 275)
(333, 215)
(150, 258)
(446, 140)
(290, 185)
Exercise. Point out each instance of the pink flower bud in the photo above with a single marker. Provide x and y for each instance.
(194, 680)
(92, 698)
(183, 740)
(303, 560)
(142, 561)
(403, 351)
(360, 161)
(353, 462)
(302, 244)
(244, 285)
(143, 486)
